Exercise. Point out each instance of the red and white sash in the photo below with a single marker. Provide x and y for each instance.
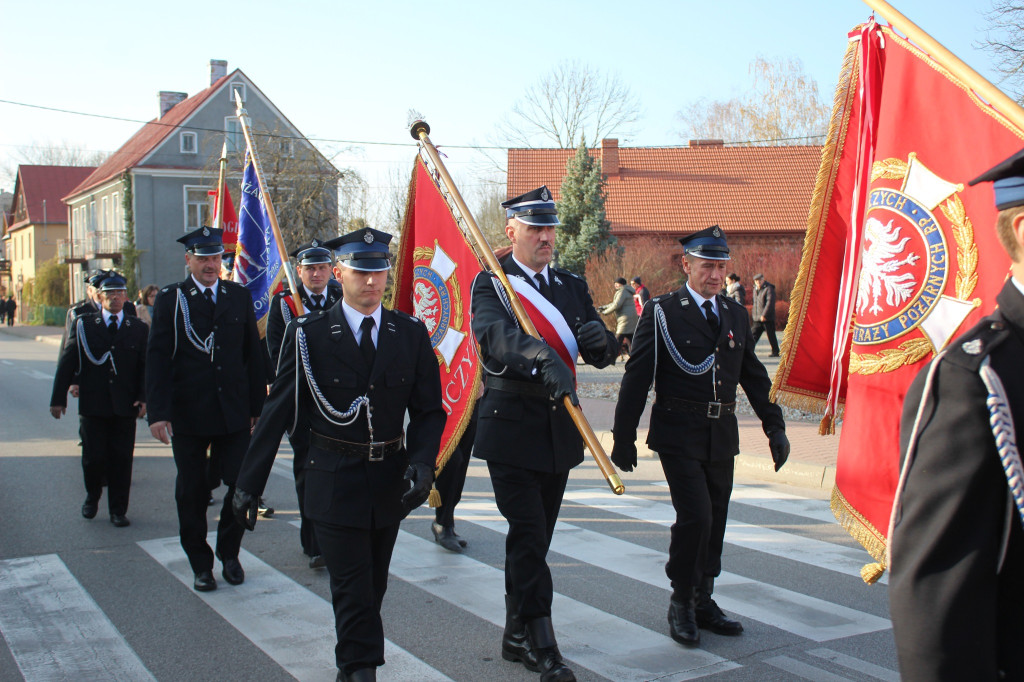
(548, 320)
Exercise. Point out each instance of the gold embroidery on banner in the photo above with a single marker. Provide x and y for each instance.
(891, 359)
(967, 250)
(889, 169)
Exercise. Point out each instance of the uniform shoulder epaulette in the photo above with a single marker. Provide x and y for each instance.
(170, 287)
(662, 297)
(971, 349)
(407, 316)
(310, 318)
(563, 271)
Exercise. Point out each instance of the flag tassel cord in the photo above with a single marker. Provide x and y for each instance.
(420, 132)
(243, 119)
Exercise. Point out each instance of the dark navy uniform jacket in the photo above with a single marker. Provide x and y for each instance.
(198, 393)
(528, 431)
(280, 315)
(957, 550)
(692, 434)
(341, 489)
(102, 391)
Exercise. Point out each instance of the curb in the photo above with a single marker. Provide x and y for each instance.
(49, 340)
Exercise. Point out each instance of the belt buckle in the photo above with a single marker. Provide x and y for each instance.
(376, 458)
(714, 410)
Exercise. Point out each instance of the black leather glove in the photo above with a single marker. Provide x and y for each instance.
(245, 507)
(557, 376)
(421, 477)
(624, 454)
(779, 446)
(593, 336)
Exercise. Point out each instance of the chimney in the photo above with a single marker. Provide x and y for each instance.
(218, 69)
(707, 143)
(169, 99)
(610, 157)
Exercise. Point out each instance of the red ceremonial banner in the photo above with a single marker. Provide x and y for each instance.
(900, 257)
(230, 223)
(434, 274)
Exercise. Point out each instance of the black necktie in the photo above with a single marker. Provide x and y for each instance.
(208, 293)
(318, 301)
(112, 326)
(712, 318)
(542, 285)
(366, 343)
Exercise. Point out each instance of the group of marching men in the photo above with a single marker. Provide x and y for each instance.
(345, 373)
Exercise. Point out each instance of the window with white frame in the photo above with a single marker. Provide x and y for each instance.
(92, 216)
(286, 147)
(189, 143)
(197, 207)
(104, 214)
(115, 211)
(238, 87)
(235, 138)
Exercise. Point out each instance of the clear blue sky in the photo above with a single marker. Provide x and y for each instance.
(351, 71)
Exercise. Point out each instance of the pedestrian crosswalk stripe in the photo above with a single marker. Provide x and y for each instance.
(804, 670)
(758, 496)
(857, 665)
(803, 615)
(55, 630)
(827, 555)
(286, 621)
(611, 646)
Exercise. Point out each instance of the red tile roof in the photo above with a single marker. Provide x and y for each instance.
(676, 190)
(148, 137)
(37, 184)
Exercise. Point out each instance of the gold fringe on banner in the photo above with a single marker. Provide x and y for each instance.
(827, 427)
(842, 107)
(863, 532)
(434, 498)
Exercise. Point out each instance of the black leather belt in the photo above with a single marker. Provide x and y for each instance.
(712, 410)
(513, 386)
(373, 452)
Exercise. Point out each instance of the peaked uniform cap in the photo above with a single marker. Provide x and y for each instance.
(536, 207)
(312, 252)
(364, 249)
(112, 281)
(96, 277)
(708, 243)
(204, 241)
(1007, 178)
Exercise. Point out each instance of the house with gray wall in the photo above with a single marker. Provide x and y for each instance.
(157, 186)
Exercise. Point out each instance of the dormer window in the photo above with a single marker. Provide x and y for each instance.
(189, 144)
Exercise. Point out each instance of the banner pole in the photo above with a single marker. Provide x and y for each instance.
(243, 119)
(998, 99)
(419, 131)
(218, 220)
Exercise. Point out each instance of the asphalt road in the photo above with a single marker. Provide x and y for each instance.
(84, 600)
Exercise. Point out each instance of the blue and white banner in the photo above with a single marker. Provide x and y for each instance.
(257, 259)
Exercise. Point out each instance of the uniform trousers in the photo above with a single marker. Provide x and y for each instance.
(452, 478)
(529, 501)
(700, 495)
(192, 494)
(357, 561)
(108, 444)
(300, 449)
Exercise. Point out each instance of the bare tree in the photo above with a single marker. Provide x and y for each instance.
(573, 102)
(782, 106)
(1004, 39)
(490, 216)
(62, 153)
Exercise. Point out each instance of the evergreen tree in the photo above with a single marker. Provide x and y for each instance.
(584, 232)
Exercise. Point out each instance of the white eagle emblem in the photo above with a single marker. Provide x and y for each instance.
(425, 305)
(879, 267)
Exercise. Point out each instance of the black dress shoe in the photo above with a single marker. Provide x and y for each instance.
(120, 520)
(682, 622)
(317, 561)
(204, 582)
(541, 634)
(515, 645)
(362, 675)
(711, 617)
(233, 572)
(89, 508)
(446, 537)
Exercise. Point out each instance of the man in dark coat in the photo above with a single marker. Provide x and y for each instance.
(764, 312)
(313, 265)
(205, 387)
(105, 356)
(524, 431)
(695, 346)
(338, 368)
(10, 308)
(91, 302)
(956, 550)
